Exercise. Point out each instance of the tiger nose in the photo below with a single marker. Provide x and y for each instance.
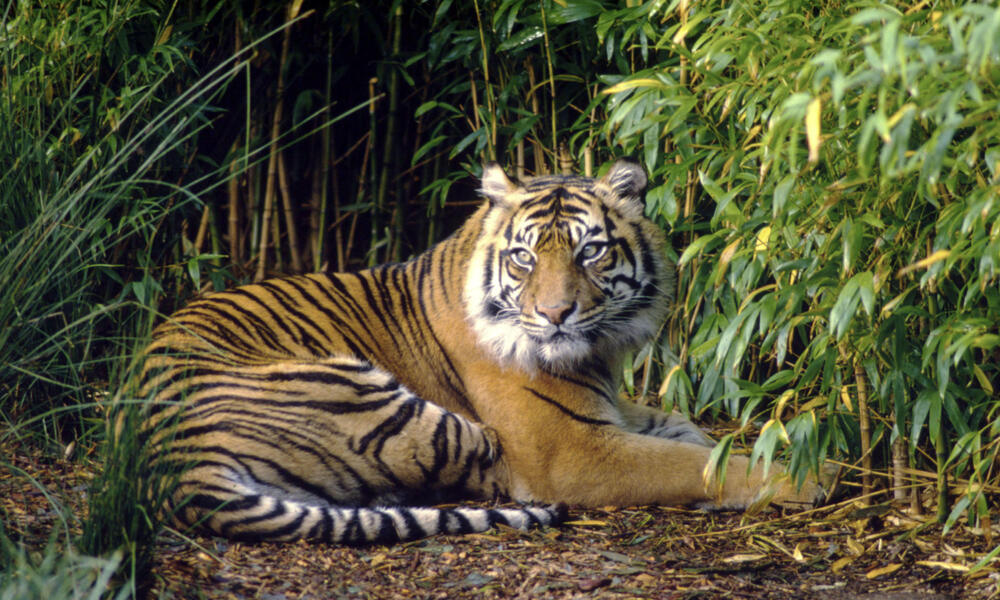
(555, 314)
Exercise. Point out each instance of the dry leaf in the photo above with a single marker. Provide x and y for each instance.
(797, 554)
(939, 564)
(855, 547)
(892, 568)
(840, 563)
(741, 558)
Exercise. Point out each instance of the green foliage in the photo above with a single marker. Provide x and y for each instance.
(78, 212)
(57, 574)
(126, 497)
(838, 165)
(91, 136)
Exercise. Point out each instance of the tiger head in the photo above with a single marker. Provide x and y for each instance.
(566, 269)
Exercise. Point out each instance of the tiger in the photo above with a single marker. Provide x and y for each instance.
(348, 407)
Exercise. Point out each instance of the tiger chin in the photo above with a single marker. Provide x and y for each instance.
(334, 407)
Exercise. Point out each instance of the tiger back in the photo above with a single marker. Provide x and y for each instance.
(335, 407)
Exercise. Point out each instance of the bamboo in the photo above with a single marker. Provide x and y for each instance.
(552, 77)
(317, 199)
(864, 425)
(199, 239)
(338, 235)
(941, 456)
(389, 148)
(519, 159)
(474, 95)
(899, 463)
(588, 150)
(682, 10)
(272, 161)
(372, 140)
(490, 108)
(535, 109)
(233, 192)
(565, 159)
(326, 149)
(286, 201)
(233, 185)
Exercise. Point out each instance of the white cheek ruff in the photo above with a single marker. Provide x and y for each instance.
(501, 337)
(504, 337)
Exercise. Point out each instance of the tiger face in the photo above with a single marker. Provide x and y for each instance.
(567, 269)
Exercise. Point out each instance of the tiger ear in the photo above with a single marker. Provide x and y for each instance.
(626, 178)
(495, 183)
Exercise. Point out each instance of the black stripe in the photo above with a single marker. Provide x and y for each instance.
(295, 317)
(573, 415)
(341, 327)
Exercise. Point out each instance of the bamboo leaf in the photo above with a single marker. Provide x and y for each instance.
(844, 309)
(813, 134)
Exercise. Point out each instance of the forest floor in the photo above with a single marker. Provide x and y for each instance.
(843, 551)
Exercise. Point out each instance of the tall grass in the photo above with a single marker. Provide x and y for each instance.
(60, 573)
(95, 189)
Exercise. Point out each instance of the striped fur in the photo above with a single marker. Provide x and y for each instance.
(330, 407)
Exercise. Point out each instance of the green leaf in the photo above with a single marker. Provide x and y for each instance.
(843, 310)
(703, 243)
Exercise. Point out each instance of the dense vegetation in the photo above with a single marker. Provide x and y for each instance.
(828, 172)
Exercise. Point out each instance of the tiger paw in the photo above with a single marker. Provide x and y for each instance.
(783, 490)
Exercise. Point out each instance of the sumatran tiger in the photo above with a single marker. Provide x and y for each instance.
(333, 407)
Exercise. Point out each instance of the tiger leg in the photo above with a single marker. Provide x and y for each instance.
(674, 426)
(302, 450)
(598, 464)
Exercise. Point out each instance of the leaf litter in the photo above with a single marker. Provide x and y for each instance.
(843, 551)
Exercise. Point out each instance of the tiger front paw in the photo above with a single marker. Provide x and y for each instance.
(756, 492)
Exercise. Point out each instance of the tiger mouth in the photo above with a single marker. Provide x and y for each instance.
(557, 336)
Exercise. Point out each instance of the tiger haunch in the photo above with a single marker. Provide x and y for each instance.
(317, 406)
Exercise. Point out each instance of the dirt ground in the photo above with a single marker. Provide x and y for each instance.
(844, 551)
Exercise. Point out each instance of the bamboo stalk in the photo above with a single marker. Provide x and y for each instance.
(682, 10)
(317, 193)
(272, 161)
(389, 148)
(490, 110)
(535, 109)
(233, 185)
(338, 235)
(941, 457)
(899, 463)
(864, 425)
(519, 159)
(565, 159)
(552, 77)
(326, 148)
(199, 239)
(233, 192)
(372, 140)
(588, 151)
(286, 201)
(474, 94)
(279, 263)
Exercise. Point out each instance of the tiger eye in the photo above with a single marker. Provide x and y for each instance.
(522, 258)
(593, 250)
